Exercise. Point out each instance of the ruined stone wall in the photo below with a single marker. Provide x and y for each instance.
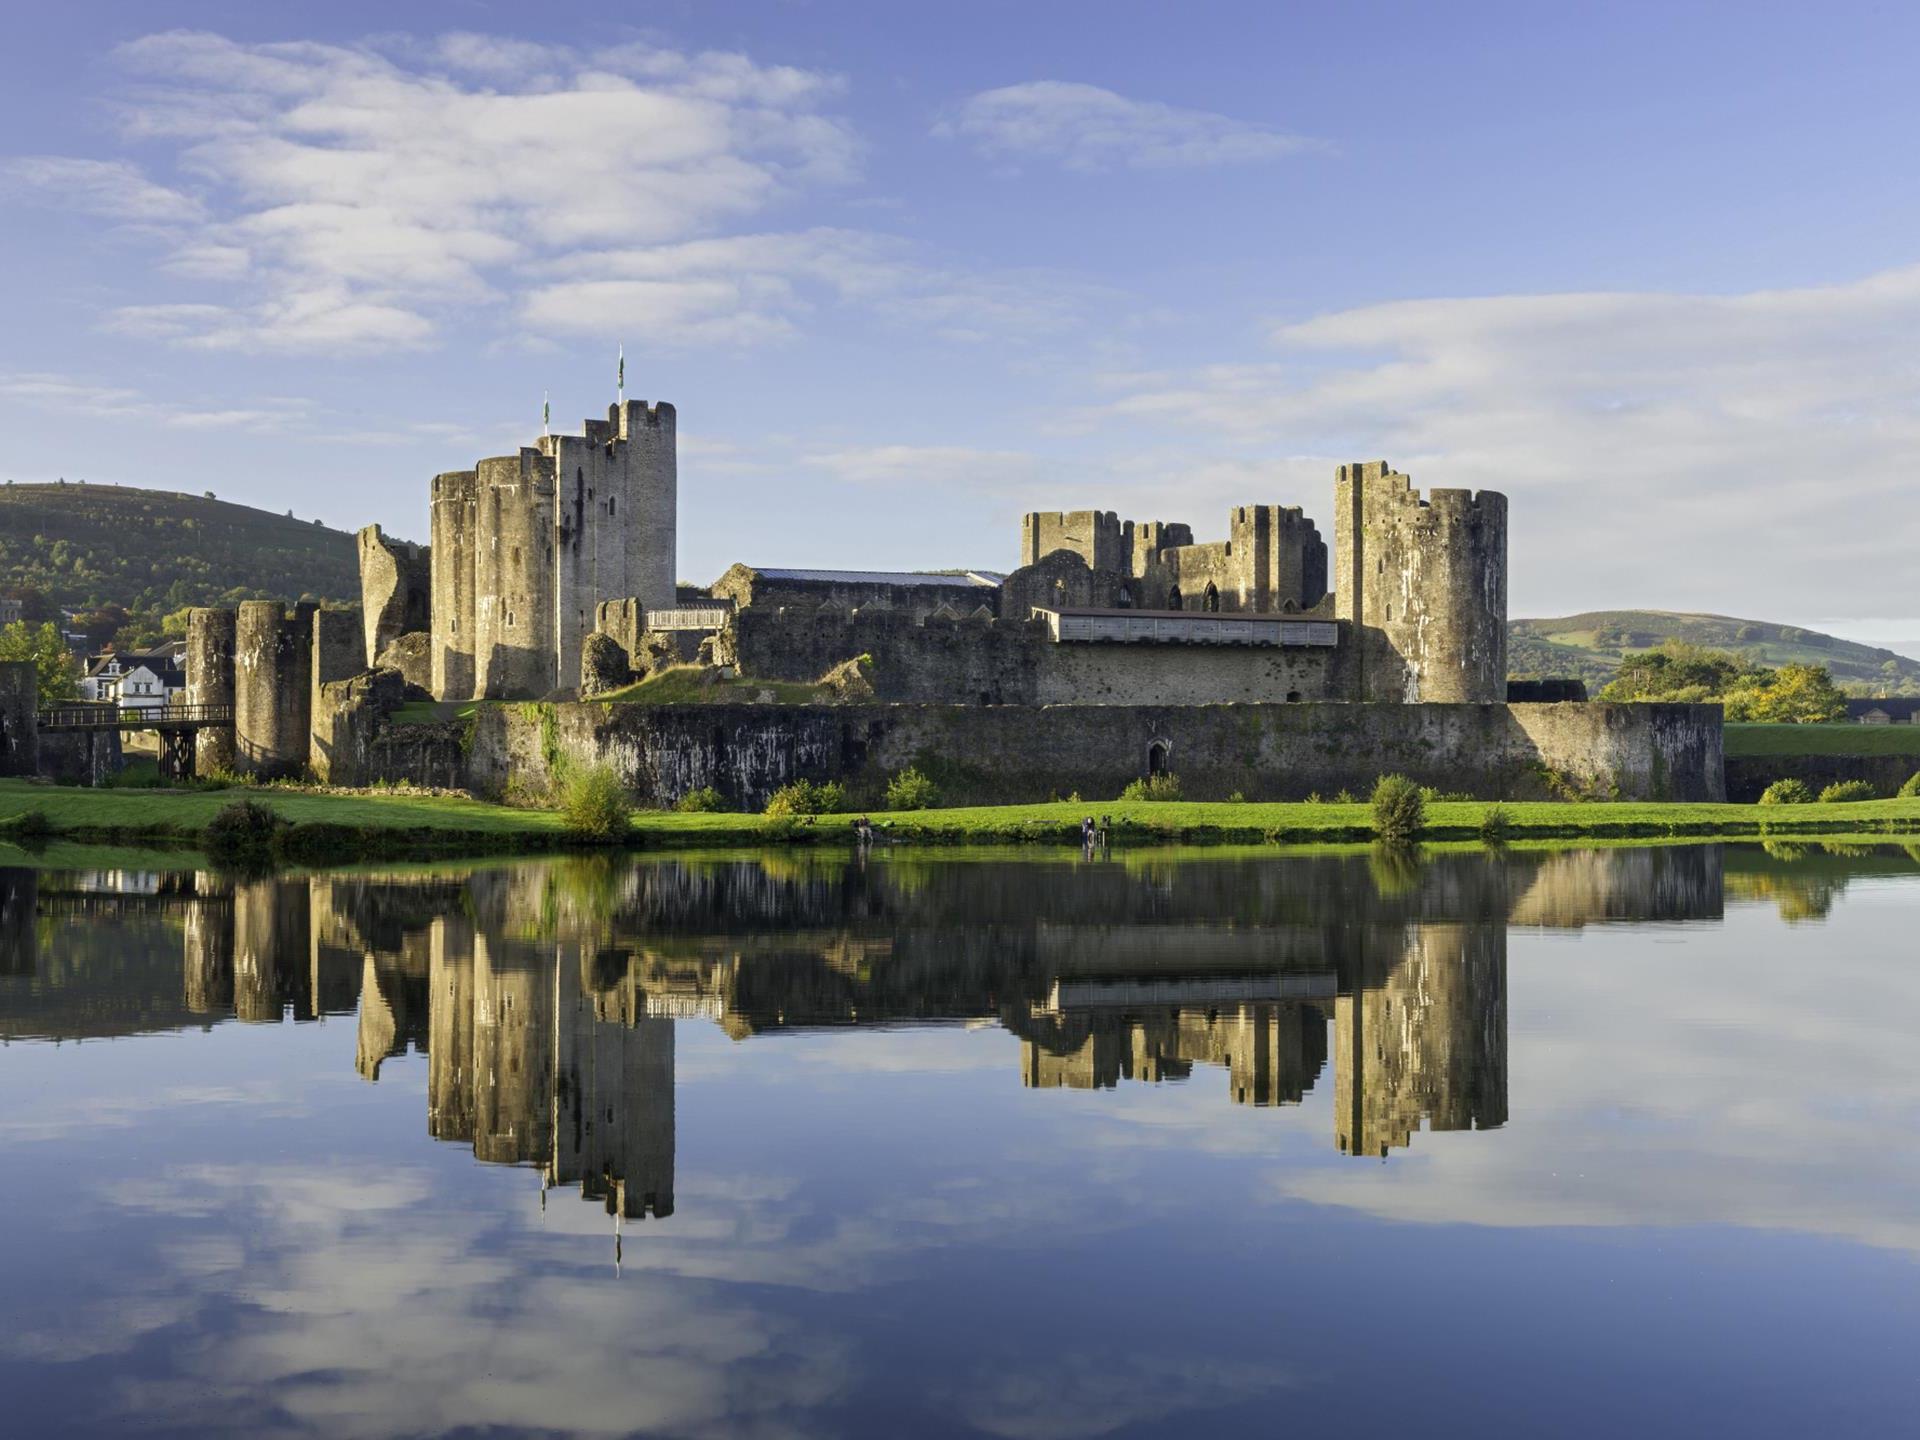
(513, 578)
(625, 620)
(455, 524)
(1007, 662)
(988, 754)
(745, 587)
(1097, 536)
(272, 678)
(396, 589)
(19, 732)
(210, 637)
(336, 654)
(1425, 584)
(82, 757)
(1061, 580)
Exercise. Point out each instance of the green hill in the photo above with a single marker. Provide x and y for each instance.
(1591, 646)
(153, 551)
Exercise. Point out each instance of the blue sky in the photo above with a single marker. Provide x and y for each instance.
(910, 269)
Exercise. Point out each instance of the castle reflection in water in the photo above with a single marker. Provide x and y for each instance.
(544, 996)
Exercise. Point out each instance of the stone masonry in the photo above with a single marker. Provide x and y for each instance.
(396, 589)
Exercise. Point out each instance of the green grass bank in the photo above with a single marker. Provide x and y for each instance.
(1753, 740)
(402, 826)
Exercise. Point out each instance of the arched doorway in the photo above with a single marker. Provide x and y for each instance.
(1173, 599)
(1210, 602)
(1159, 753)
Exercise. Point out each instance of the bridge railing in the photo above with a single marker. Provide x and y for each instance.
(131, 717)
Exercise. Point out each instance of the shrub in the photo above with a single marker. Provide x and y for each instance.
(1344, 797)
(1238, 797)
(1844, 791)
(240, 835)
(1154, 787)
(912, 790)
(1787, 792)
(32, 825)
(1910, 790)
(805, 797)
(704, 801)
(593, 804)
(1399, 810)
(1495, 822)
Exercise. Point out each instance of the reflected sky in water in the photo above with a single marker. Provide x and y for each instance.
(1225, 1142)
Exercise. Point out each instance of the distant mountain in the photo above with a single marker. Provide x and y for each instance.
(1591, 646)
(155, 550)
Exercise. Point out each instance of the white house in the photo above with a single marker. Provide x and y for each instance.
(136, 679)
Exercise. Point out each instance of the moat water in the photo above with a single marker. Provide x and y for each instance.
(1229, 1143)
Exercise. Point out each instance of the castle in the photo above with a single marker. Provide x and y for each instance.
(1268, 663)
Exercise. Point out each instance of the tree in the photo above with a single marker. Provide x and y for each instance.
(102, 624)
(1677, 672)
(1792, 695)
(54, 664)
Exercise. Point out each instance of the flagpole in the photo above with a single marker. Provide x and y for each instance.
(546, 415)
(620, 375)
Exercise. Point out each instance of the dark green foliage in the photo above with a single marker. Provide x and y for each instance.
(1844, 791)
(805, 797)
(240, 836)
(90, 547)
(594, 804)
(1399, 809)
(1590, 646)
(1154, 787)
(704, 801)
(1495, 822)
(911, 789)
(30, 825)
(1787, 792)
(56, 672)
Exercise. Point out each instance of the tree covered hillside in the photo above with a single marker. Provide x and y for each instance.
(85, 547)
(1593, 645)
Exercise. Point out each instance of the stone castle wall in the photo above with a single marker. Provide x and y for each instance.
(986, 754)
(19, 731)
(272, 682)
(1016, 662)
(396, 589)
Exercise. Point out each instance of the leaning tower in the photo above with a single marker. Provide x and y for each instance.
(1423, 585)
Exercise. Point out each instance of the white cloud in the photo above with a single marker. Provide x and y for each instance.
(1688, 451)
(355, 193)
(1084, 127)
(109, 189)
(63, 394)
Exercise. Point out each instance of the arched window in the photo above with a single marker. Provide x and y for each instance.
(1210, 602)
(1158, 753)
(1173, 599)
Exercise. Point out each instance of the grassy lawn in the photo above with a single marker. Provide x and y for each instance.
(1823, 740)
(440, 822)
(694, 685)
(432, 712)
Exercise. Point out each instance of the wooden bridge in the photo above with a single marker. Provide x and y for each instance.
(176, 724)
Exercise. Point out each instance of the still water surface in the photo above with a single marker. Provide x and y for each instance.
(1189, 1143)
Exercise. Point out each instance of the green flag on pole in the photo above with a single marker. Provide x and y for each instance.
(546, 414)
(620, 375)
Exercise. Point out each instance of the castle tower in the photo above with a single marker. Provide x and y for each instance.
(210, 638)
(272, 700)
(396, 588)
(1096, 536)
(455, 519)
(513, 581)
(1424, 585)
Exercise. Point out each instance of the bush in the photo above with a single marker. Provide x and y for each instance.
(31, 825)
(240, 835)
(594, 805)
(1495, 822)
(1842, 792)
(704, 801)
(805, 797)
(1154, 787)
(912, 790)
(1910, 790)
(1787, 792)
(1399, 810)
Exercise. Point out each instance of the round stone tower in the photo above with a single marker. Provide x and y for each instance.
(272, 675)
(1423, 584)
(210, 682)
